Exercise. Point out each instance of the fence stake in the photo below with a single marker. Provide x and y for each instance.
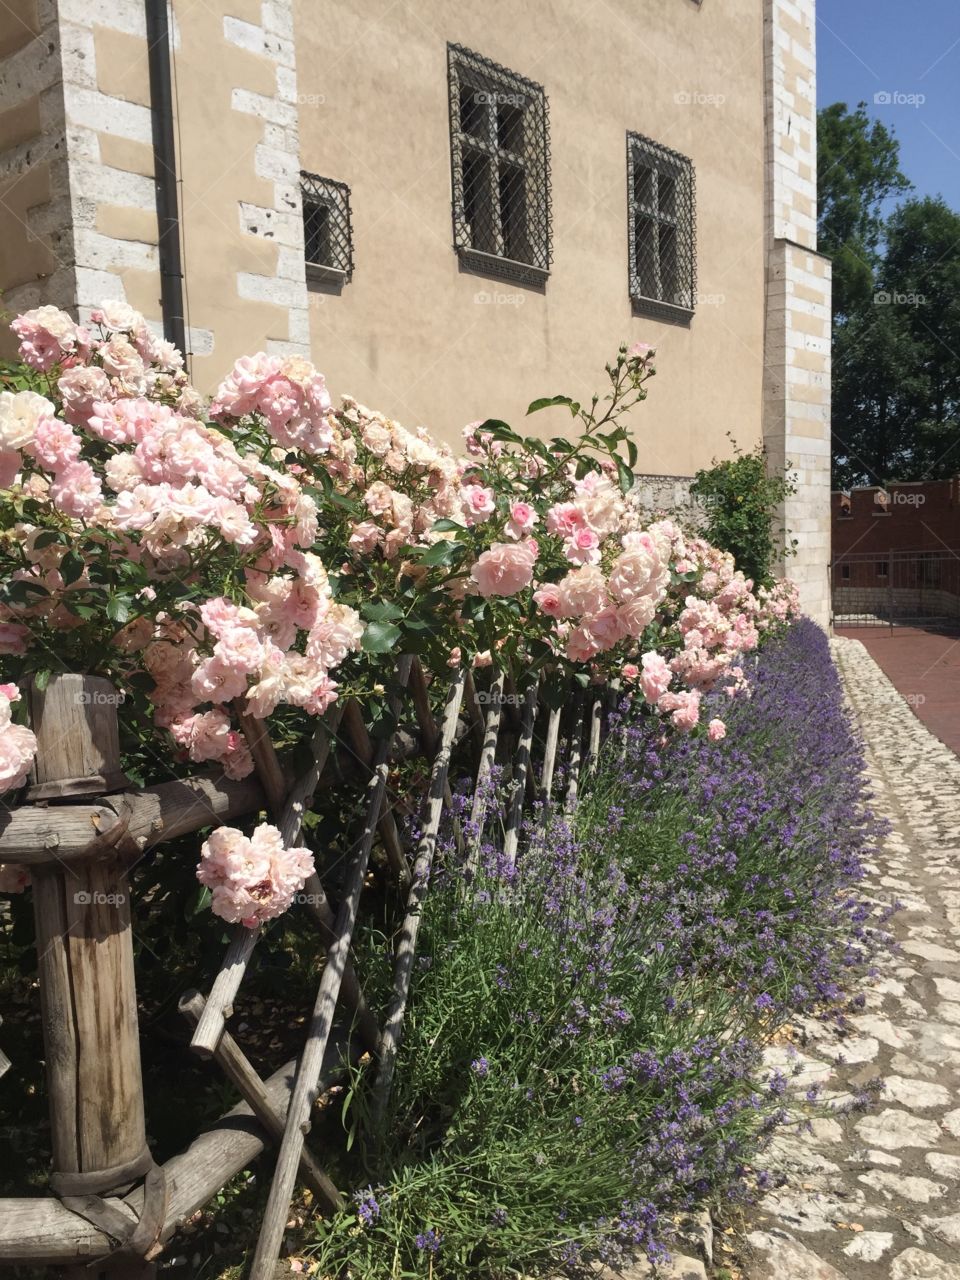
(321, 1022)
(85, 959)
(407, 942)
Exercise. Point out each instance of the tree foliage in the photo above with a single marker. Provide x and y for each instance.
(896, 309)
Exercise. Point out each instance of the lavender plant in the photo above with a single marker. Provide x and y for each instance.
(582, 1051)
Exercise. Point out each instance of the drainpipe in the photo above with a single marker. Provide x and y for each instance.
(165, 173)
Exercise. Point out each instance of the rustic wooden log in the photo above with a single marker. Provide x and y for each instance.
(407, 942)
(84, 945)
(521, 768)
(39, 1230)
(36, 834)
(265, 759)
(430, 735)
(549, 759)
(596, 723)
(574, 753)
(362, 745)
(321, 1022)
(488, 755)
(476, 716)
(235, 1065)
(78, 738)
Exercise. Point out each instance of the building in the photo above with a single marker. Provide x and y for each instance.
(896, 552)
(453, 210)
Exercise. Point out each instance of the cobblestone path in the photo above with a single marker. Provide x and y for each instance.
(876, 1194)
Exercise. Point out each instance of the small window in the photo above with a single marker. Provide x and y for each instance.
(845, 572)
(327, 233)
(499, 147)
(662, 229)
(883, 569)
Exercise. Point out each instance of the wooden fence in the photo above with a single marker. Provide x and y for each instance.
(81, 829)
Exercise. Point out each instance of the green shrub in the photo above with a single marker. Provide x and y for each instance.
(742, 497)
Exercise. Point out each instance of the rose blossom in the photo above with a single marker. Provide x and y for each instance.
(716, 730)
(21, 413)
(478, 503)
(522, 519)
(506, 568)
(582, 546)
(655, 676)
(252, 879)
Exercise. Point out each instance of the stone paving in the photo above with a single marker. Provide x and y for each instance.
(876, 1193)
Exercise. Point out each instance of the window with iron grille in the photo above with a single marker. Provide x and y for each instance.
(500, 161)
(662, 230)
(327, 234)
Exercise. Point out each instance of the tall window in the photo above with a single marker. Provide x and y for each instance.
(327, 233)
(500, 163)
(662, 232)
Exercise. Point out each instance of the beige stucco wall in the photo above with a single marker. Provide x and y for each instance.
(416, 337)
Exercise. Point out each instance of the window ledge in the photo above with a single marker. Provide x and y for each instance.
(320, 274)
(490, 264)
(653, 309)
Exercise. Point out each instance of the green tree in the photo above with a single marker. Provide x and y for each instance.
(896, 389)
(858, 171)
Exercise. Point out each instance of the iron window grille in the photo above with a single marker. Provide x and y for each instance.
(661, 194)
(500, 168)
(327, 231)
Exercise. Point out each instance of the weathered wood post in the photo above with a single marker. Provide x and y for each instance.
(85, 959)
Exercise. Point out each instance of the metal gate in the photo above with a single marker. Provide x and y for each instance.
(896, 588)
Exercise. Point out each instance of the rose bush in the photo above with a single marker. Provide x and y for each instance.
(258, 555)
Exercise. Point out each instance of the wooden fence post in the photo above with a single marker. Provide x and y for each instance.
(85, 958)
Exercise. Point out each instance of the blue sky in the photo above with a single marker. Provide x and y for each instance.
(911, 53)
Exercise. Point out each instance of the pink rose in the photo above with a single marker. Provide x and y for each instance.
(522, 519)
(478, 503)
(564, 518)
(716, 730)
(582, 546)
(506, 568)
(655, 676)
(549, 599)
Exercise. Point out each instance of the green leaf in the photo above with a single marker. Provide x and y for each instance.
(41, 679)
(71, 567)
(626, 476)
(118, 609)
(499, 430)
(631, 454)
(551, 402)
(380, 637)
(446, 526)
(380, 611)
(47, 537)
(444, 552)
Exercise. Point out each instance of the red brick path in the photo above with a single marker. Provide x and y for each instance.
(925, 667)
